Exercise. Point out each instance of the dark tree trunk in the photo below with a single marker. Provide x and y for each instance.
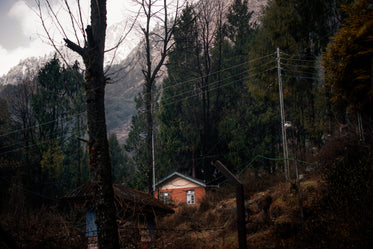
(99, 159)
(329, 113)
(149, 136)
(149, 81)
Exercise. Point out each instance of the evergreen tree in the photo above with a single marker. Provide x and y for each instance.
(239, 27)
(180, 105)
(50, 104)
(348, 60)
(136, 166)
(118, 159)
(300, 29)
(57, 106)
(236, 103)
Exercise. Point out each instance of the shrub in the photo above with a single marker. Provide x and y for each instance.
(346, 165)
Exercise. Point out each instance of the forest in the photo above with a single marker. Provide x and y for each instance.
(292, 85)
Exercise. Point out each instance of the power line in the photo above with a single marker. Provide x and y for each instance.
(217, 81)
(20, 142)
(216, 72)
(221, 86)
(35, 144)
(41, 124)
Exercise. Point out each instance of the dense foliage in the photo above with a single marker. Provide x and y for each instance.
(220, 99)
(46, 118)
(349, 59)
(346, 167)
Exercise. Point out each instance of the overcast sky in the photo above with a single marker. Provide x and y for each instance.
(21, 33)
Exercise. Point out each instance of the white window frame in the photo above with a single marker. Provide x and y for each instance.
(191, 197)
(165, 197)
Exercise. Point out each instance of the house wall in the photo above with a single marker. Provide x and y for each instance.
(178, 196)
(177, 190)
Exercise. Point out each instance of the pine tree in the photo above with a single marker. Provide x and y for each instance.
(300, 29)
(180, 105)
(349, 59)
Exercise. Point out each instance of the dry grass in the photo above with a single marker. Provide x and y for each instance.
(43, 228)
(273, 220)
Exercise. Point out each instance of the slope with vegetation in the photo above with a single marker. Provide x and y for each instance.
(335, 203)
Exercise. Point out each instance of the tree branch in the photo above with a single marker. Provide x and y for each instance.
(90, 40)
(74, 47)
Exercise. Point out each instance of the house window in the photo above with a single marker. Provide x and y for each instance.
(190, 197)
(164, 197)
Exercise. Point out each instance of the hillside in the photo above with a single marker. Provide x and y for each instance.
(336, 206)
(272, 219)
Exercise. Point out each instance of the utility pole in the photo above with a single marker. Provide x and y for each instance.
(282, 110)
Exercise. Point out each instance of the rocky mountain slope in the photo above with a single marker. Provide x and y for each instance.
(127, 83)
(125, 73)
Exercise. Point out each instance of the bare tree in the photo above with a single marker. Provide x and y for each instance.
(89, 44)
(151, 68)
(23, 118)
(208, 14)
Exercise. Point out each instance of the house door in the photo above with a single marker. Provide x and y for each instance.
(190, 197)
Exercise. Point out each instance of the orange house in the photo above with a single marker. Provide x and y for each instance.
(178, 188)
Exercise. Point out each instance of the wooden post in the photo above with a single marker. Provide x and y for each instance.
(241, 224)
(282, 112)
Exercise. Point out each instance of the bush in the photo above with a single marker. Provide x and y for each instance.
(346, 165)
(260, 180)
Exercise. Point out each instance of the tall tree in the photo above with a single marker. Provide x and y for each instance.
(206, 16)
(180, 105)
(203, 73)
(23, 120)
(92, 53)
(349, 59)
(300, 29)
(237, 103)
(50, 103)
(152, 68)
(57, 109)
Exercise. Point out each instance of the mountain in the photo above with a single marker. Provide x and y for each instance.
(257, 6)
(126, 83)
(26, 68)
(120, 94)
(125, 71)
